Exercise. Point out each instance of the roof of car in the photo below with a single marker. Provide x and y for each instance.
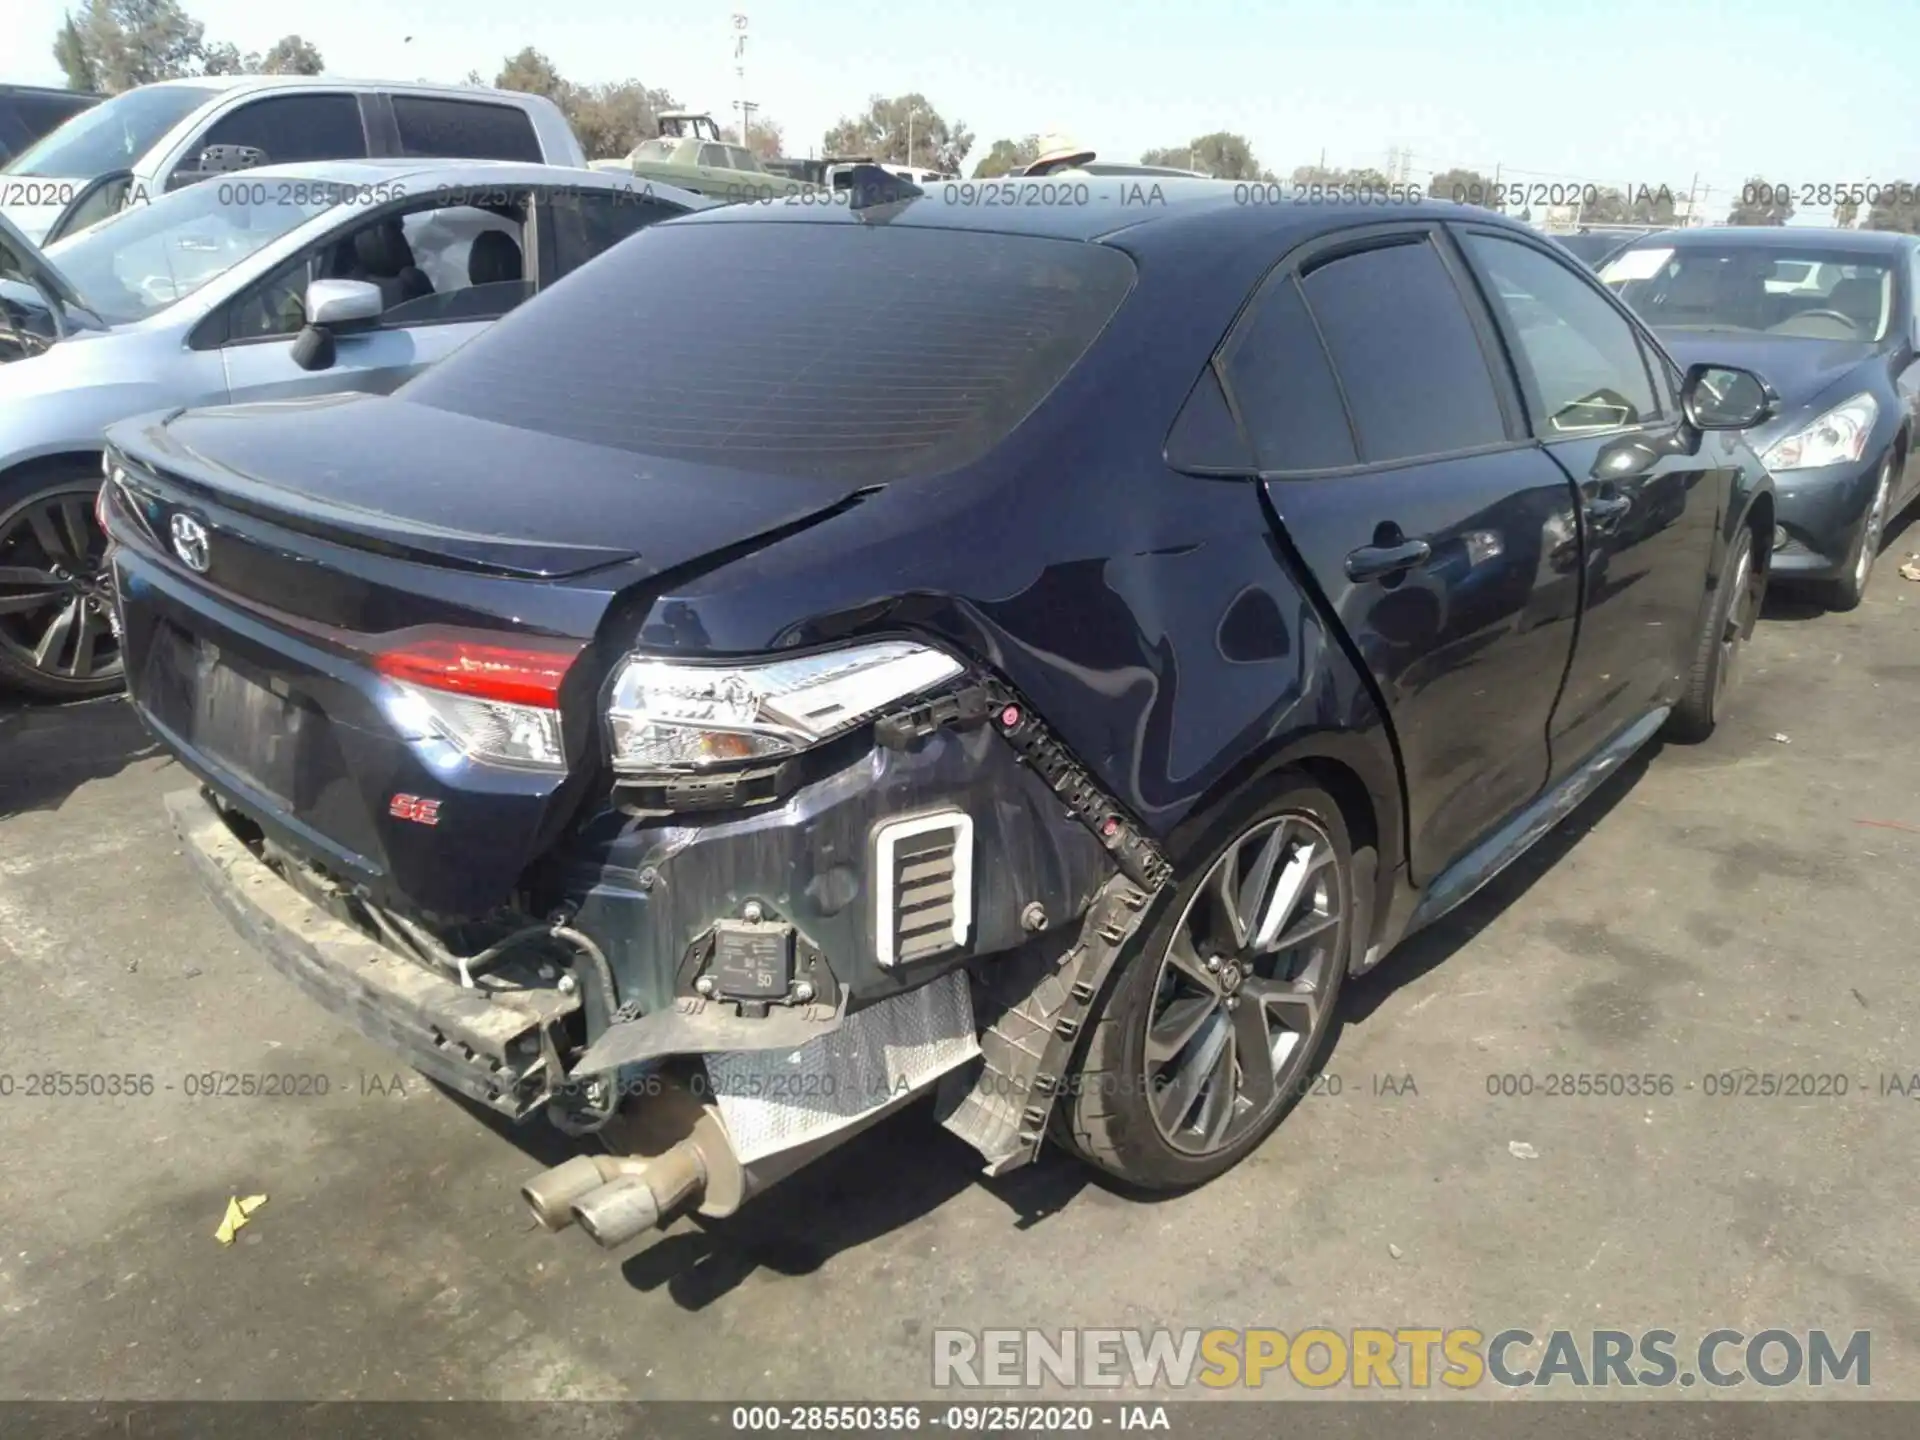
(1096, 207)
(335, 82)
(382, 170)
(1789, 237)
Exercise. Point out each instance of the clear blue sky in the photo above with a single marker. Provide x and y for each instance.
(1623, 93)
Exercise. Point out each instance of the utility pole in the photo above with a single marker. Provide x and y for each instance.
(743, 105)
(1693, 193)
(746, 109)
(912, 110)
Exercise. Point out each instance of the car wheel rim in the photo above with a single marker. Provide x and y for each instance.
(1876, 522)
(54, 591)
(1242, 990)
(1739, 619)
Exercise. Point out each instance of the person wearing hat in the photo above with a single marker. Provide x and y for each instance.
(1058, 153)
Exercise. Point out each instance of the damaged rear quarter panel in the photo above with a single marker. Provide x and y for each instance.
(650, 887)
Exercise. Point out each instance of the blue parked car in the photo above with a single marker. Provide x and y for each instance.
(819, 654)
(1831, 318)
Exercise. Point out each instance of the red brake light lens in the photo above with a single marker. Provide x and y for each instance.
(515, 670)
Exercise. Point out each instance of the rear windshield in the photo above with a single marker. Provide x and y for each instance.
(833, 350)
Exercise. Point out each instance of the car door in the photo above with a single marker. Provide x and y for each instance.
(443, 246)
(1653, 489)
(1389, 437)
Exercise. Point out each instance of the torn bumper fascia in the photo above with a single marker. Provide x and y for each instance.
(484, 1043)
(649, 890)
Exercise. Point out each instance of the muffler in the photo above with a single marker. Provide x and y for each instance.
(674, 1149)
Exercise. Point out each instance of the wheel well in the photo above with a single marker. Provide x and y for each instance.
(1349, 792)
(58, 463)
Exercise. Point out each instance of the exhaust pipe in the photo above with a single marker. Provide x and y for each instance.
(550, 1194)
(679, 1152)
(646, 1191)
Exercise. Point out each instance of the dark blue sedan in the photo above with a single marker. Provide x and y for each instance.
(1034, 639)
(1831, 318)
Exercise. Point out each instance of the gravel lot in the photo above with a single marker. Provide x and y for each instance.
(1745, 904)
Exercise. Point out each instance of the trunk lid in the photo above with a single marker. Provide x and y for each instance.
(272, 562)
(429, 485)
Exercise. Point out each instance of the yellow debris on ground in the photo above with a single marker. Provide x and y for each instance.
(237, 1212)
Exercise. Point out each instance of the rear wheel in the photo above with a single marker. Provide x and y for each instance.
(1850, 589)
(56, 640)
(1208, 1034)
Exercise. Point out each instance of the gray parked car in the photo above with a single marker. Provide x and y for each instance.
(280, 282)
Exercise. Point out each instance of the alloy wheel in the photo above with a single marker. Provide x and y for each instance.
(1243, 991)
(1743, 605)
(55, 597)
(1876, 524)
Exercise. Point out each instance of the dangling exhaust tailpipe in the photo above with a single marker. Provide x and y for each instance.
(675, 1150)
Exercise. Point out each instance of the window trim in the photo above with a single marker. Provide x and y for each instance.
(1328, 246)
(1649, 344)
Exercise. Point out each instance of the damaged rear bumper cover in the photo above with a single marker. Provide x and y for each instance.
(484, 1046)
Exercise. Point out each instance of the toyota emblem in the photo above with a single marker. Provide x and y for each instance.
(190, 542)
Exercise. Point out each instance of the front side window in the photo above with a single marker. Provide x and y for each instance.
(1411, 367)
(432, 266)
(293, 128)
(112, 135)
(1809, 293)
(1580, 362)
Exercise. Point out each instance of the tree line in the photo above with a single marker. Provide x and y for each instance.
(112, 45)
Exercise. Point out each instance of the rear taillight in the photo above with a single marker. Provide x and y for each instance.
(493, 698)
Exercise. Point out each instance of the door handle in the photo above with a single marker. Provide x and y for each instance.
(1605, 512)
(1370, 562)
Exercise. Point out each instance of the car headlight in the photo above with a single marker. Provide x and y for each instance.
(1836, 438)
(671, 715)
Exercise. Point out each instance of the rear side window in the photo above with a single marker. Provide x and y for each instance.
(1288, 397)
(1415, 377)
(586, 225)
(464, 129)
(835, 350)
(294, 127)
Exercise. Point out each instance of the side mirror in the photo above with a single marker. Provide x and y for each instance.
(333, 307)
(1722, 397)
(216, 160)
(343, 304)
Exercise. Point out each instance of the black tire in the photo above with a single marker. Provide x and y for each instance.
(1846, 592)
(1730, 619)
(1105, 1116)
(86, 660)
